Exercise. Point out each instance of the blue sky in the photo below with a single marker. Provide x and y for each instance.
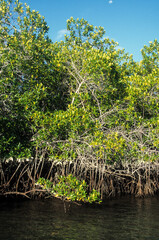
(132, 23)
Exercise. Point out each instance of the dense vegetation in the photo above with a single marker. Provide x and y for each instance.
(82, 99)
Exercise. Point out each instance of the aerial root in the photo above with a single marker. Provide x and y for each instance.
(110, 180)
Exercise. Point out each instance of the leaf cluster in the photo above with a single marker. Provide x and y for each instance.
(70, 188)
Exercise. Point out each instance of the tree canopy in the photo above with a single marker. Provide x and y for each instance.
(81, 98)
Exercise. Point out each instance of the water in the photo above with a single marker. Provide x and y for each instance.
(120, 219)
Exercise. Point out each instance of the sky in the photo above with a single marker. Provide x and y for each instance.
(131, 23)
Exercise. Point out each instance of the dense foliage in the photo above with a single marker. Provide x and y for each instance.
(70, 188)
(81, 98)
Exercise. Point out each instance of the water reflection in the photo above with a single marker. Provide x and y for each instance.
(125, 218)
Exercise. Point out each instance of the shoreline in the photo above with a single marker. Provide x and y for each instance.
(139, 180)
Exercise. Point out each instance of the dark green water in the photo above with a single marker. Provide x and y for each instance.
(121, 219)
